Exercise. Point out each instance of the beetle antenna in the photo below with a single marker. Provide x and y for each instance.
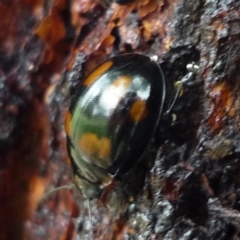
(193, 69)
(47, 195)
(178, 86)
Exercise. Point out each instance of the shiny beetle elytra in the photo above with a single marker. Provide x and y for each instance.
(112, 119)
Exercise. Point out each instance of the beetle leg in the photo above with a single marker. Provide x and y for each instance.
(51, 192)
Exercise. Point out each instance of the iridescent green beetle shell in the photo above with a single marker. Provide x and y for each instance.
(112, 119)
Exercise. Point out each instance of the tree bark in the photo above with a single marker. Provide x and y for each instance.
(187, 185)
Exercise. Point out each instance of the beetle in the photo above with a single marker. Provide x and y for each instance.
(112, 119)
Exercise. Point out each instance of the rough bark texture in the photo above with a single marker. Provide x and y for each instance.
(188, 184)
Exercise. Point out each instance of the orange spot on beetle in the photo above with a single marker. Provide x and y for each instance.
(91, 144)
(68, 122)
(138, 110)
(122, 82)
(97, 72)
(104, 147)
(116, 91)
